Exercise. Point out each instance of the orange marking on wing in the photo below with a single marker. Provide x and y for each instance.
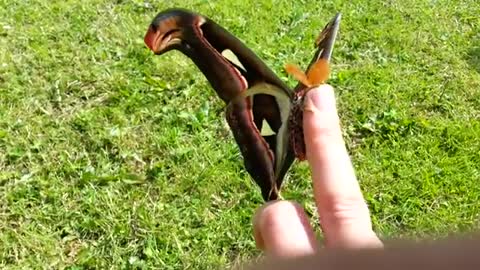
(150, 38)
(296, 72)
(318, 72)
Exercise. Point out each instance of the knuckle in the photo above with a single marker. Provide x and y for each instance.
(344, 209)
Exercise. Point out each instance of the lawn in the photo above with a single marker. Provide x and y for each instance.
(111, 157)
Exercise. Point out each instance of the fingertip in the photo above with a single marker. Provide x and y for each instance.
(321, 98)
(258, 218)
(281, 228)
(320, 119)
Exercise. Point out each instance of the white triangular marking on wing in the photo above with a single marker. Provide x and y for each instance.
(266, 129)
(230, 56)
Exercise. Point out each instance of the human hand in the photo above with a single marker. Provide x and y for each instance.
(281, 228)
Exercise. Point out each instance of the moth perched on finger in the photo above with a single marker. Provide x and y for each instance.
(264, 114)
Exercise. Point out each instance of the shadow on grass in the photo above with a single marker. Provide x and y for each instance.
(473, 56)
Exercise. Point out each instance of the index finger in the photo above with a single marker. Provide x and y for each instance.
(344, 214)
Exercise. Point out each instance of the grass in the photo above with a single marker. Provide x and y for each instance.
(111, 157)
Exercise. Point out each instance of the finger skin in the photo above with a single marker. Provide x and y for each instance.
(344, 215)
(282, 229)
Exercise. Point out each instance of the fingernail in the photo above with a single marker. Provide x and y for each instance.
(321, 98)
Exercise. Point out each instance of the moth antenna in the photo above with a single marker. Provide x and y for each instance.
(318, 72)
(296, 72)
